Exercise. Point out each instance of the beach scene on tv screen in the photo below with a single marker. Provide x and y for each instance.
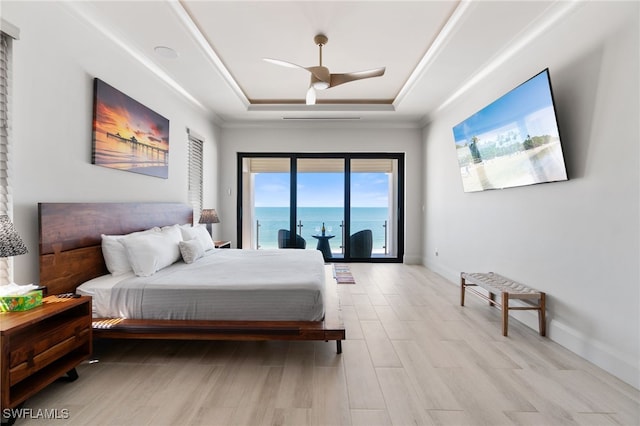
(512, 142)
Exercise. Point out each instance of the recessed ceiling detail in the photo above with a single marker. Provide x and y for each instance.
(432, 51)
(350, 36)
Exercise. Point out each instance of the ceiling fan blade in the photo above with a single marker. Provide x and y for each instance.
(337, 79)
(284, 63)
(311, 96)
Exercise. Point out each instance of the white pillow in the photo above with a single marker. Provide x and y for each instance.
(200, 233)
(114, 253)
(151, 252)
(186, 232)
(191, 250)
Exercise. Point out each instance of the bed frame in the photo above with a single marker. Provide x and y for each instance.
(70, 253)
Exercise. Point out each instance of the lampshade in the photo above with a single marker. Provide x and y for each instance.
(10, 242)
(209, 216)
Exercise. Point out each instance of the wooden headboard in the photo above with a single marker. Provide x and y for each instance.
(70, 247)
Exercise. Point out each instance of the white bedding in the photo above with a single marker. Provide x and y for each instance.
(225, 284)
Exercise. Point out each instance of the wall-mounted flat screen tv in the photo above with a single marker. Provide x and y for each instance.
(513, 141)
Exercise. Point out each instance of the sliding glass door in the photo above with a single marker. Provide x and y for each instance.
(320, 204)
(373, 209)
(266, 191)
(348, 206)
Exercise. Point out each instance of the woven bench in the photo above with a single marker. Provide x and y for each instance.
(508, 289)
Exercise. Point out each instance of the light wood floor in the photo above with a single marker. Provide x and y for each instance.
(412, 356)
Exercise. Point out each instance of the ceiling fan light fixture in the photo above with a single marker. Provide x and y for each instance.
(320, 85)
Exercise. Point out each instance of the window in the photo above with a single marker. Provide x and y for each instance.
(6, 198)
(348, 205)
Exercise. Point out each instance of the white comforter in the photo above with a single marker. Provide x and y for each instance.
(226, 284)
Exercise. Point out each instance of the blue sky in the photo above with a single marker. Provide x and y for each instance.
(531, 96)
(322, 190)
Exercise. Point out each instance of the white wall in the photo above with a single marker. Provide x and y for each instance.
(577, 240)
(55, 61)
(326, 137)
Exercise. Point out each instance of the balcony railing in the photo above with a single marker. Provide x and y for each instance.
(266, 234)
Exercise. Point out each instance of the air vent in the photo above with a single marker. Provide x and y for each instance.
(321, 118)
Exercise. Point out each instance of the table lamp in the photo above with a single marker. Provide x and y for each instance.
(209, 216)
(10, 242)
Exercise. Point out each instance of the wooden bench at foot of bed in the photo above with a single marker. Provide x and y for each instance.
(508, 289)
(118, 328)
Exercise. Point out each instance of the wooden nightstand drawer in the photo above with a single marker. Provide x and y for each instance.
(59, 340)
(41, 345)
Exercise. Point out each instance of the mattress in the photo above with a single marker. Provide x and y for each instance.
(225, 284)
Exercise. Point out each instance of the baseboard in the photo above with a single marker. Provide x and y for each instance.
(409, 259)
(624, 367)
(440, 269)
(609, 359)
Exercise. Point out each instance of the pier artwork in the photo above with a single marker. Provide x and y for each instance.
(127, 135)
(135, 144)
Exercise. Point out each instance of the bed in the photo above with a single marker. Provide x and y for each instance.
(70, 253)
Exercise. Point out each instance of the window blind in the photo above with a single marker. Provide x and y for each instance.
(195, 176)
(6, 201)
(320, 165)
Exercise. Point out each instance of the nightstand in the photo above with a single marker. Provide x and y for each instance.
(42, 344)
(222, 244)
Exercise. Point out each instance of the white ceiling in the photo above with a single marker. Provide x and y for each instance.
(431, 50)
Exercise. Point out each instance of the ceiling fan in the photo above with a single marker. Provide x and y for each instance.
(321, 78)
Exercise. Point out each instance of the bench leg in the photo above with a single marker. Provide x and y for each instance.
(542, 318)
(505, 313)
(492, 299)
(462, 289)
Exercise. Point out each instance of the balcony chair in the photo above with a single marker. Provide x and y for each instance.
(284, 240)
(361, 244)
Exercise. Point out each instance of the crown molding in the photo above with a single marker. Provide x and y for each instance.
(196, 34)
(84, 12)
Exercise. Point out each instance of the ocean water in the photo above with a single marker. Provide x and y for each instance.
(116, 154)
(272, 219)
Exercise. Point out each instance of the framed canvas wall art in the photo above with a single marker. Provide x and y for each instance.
(127, 135)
